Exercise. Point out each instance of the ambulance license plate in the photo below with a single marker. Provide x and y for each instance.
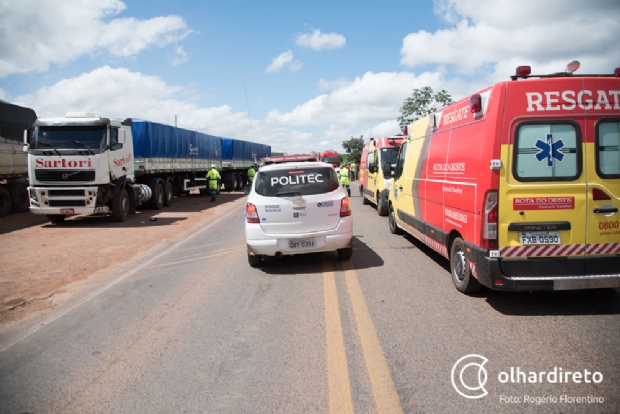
(540, 237)
(300, 244)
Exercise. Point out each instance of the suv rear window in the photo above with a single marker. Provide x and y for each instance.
(608, 148)
(301, 181)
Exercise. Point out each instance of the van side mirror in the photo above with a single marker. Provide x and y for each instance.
(387, 170)
(372, 168)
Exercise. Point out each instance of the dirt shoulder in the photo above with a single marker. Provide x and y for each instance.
(41, 264)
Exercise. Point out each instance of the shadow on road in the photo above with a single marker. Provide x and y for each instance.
(572, 302)
(192, 203)
(301, 264)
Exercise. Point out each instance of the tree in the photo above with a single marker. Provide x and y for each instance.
(421, 103)
(354, 148)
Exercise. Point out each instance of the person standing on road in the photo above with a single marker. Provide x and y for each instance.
(344, 177)
(353, 171)
(251, 174)
(213, 176)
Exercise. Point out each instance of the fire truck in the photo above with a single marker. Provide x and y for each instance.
(518, 185)
(330, 157)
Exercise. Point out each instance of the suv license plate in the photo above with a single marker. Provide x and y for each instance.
(540, 237)
(300, 244)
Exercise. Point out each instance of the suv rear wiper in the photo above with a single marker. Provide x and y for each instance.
(289, 194)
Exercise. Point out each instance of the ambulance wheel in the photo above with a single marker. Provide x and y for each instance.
(168, 192)
(381, 210)
(345, 254)
(56, 218)
(365, 201)
(394, 229)
(254, 260)
(463, 280)
(120, 206)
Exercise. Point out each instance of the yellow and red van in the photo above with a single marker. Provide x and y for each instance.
(518, 185)
(374, 184)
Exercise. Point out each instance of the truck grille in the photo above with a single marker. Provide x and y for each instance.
(64, 175)
(61, 193)
(67, 203)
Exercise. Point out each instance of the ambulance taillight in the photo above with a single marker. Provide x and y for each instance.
(489, 220)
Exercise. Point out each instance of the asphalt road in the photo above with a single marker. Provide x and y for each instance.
(193, 328)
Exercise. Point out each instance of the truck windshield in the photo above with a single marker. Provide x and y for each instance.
(333, 159)
(389, 155)
(91, 138)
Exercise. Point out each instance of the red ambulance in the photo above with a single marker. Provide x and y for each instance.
(518, 185)
(374, 183)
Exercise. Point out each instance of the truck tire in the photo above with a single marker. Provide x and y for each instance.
(381, 210)
(56, 218)
(21, 204)
(394, 229)
(120, 206)
(157, 199)
(462, 278)
(6, 203)
(168, 192)
(229, 184)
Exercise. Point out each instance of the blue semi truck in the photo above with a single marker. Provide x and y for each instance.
(83, 164)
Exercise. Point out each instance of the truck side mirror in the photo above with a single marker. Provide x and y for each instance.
(121, 136)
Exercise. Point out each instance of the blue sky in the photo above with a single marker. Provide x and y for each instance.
(311, 74)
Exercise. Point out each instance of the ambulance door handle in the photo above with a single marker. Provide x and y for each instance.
(605, 210)
(400, 187)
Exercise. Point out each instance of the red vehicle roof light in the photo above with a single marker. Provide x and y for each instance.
(524, 71)
(617, 72)
(475, 103)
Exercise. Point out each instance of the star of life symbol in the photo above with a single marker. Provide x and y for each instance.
(549, 150)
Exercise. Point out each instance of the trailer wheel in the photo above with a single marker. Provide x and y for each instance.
(229, 184)
(56, 218)
(235, 179)
(120, 206)
(157, 199)
(394, 229)
(168, 192)
(22, 203)
(6, 203)
(463, 280)
(381, 210)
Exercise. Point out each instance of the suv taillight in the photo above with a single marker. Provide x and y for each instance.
(489, 221)
(345, 207)
(251, 215)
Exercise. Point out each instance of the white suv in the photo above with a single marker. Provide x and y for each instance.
(296, 208)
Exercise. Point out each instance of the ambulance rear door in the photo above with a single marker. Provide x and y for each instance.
(602, 137)
(543, 194)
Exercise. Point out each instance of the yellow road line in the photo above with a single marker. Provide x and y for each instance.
(337, 369)
(386, 397)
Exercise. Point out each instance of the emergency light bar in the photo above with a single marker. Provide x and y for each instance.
(526, 72)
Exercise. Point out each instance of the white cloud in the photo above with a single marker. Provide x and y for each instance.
(325, 85)
(372, 98)
(35, 34)
(489, 32)
(182, 56)
(319, 41)
(282, 60)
